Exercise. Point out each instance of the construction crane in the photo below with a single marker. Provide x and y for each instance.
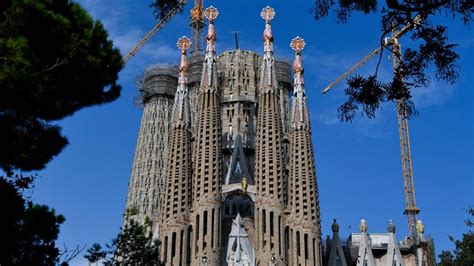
(197, 25)
(411, 211)
(155, 29)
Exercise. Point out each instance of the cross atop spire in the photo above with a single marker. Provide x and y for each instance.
(298, 112)
(268, 14)
(183, 44)
(211, 14)
(180, 113)
(209, 74)
(268, 76)
(298, 44)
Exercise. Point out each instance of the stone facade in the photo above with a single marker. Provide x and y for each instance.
(227, 165)
(224, 168)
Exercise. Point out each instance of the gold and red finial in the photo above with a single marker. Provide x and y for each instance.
(211, 13)
(267, 14)
(297, 44)
(184, 44)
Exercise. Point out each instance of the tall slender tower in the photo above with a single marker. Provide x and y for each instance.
(269, 165)
(303, 221)
(207, 159)
(145, 192)
(175, 231)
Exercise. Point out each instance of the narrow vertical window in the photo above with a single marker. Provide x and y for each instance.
(181, 247)
(279, 235)
(165, 249)
(264, 228)
(204, 229)
(188, 245)
(197, 234)
(298, 243)
(306, 251)
(173, 246)
(314, 251)
(212, 228)
(271, 223)
(287, 243)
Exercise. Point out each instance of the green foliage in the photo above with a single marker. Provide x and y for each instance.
(463, 254)
(133, 246)
(131, 211)
(28, 230)
(162, 7)
(368, 93)
(95, 253)
(55, 59)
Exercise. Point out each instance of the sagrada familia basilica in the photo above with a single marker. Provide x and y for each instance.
(224, 168)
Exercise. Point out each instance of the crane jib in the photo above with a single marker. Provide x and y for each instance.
(155, 29)
(398, 34)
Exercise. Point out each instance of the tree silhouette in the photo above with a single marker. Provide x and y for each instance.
(463, 254)
(28, 230)
(134, 245)
(55, 60)
(162, 7)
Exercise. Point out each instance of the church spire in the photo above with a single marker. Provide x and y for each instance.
(209, 73)
(268, 74)
(269, 164)
(299, 113)
(365, 256)
(175, 226)
(394, 256)
(303, 204)
(207, 158)
(336, 253)
(181, 113)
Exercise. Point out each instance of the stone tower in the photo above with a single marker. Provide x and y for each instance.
(303, 221)
(175, 230)
(208, 157)
(269, 165)
(239, 75)
(145, 192)
(229, 186)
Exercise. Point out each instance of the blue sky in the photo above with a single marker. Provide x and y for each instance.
(358, 164)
